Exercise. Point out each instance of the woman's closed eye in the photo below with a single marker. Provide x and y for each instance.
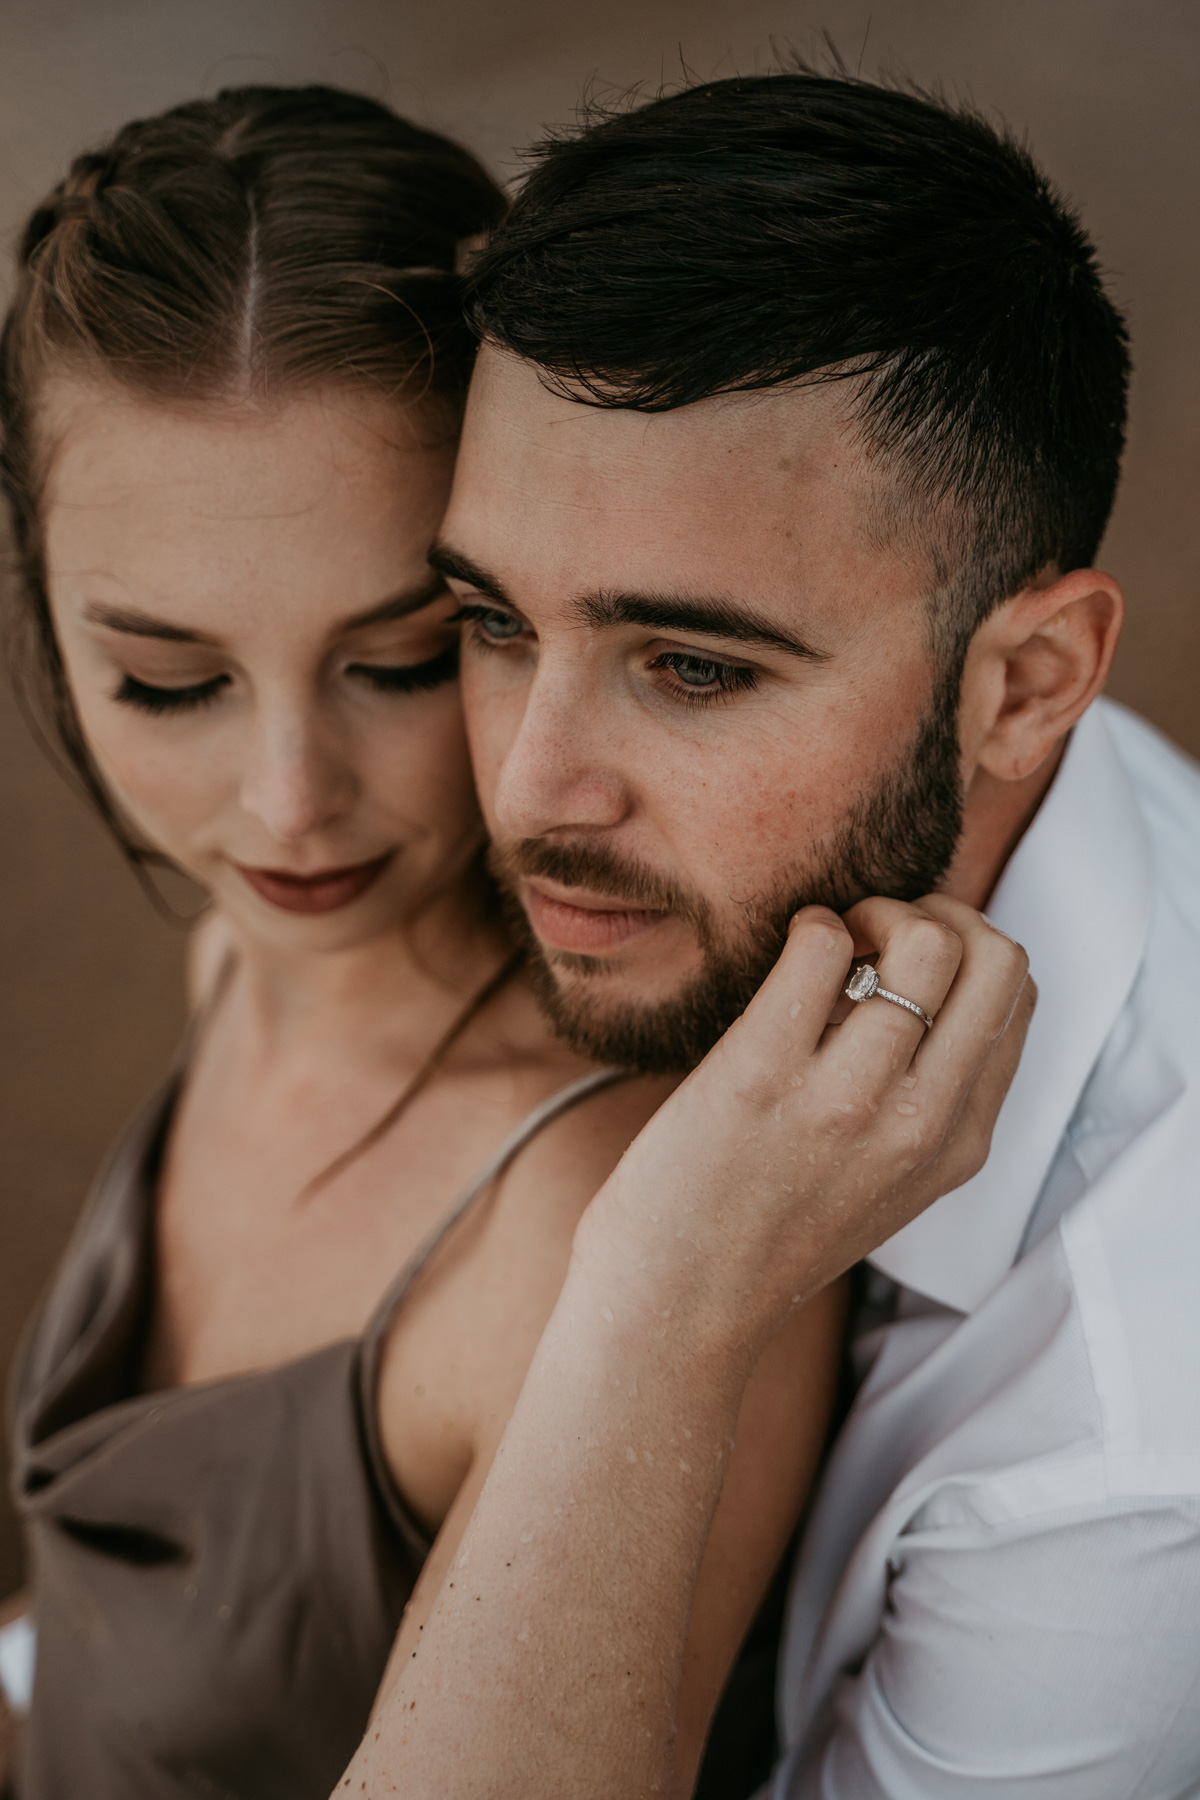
(408, 678)
(148, 697)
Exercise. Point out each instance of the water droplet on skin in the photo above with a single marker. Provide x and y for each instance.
(685, 1466)
(606, 1313)
(631, 1456)
(903, 1106)
(526, 1537)
(794, 1010)
(797, 1081)
(779, 1109)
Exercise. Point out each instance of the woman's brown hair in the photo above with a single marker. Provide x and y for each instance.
(267, 240)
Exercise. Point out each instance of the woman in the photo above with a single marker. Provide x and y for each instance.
(254, 1412)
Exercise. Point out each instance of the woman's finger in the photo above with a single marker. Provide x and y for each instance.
(918, 957)
(783, 1023)
(992, 988)
(968, 1141)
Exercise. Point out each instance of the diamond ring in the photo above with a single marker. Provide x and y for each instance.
(864, 985)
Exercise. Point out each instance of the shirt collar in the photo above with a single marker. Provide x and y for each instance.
(1076, 894)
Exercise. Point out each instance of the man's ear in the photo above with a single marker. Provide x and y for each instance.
(1034, 667)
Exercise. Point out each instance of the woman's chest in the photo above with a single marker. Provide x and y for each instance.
(254, 1267)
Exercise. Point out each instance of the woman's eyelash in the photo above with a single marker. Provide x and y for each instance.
(718, 680)
(146, 698)
(409, 678)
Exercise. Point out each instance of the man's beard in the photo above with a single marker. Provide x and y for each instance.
(898, 840)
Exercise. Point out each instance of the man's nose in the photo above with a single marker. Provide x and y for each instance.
(297, 779)
(563, 770)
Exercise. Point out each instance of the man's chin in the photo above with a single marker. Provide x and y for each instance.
(604, 1015)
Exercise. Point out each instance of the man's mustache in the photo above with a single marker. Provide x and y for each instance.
(594, 866)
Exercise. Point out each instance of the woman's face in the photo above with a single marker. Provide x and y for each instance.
(257, 647)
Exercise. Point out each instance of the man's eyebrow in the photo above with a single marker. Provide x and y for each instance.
(454, 566)
(134, 623)
(711, 617)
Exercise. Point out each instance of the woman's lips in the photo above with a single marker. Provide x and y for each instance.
(320, 893)
(587, 926)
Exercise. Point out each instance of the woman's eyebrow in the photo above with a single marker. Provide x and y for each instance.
(132, 622)
(410, 600)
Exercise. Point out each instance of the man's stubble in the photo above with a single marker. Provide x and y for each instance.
(899, 839)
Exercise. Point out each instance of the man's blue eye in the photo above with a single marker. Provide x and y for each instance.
(491, 621)
(695, 673)
(499, 624)
(704, 679)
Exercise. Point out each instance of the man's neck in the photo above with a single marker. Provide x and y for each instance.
(996, 816)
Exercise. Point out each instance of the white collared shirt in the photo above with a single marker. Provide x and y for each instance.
(999, 1590)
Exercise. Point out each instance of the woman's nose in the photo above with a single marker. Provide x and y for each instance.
(297, 780)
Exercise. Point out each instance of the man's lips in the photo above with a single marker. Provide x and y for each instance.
(319, 893)
(588, 924)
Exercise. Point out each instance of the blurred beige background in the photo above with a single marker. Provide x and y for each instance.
(1107, 91)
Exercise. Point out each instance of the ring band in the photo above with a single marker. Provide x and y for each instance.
(864, 985)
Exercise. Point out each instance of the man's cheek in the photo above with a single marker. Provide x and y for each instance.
(493, 719)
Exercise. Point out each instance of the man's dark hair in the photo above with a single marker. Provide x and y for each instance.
(753, 232)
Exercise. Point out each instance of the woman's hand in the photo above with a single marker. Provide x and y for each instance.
(798, 1145)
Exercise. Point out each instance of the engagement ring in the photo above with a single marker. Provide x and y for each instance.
(864, 985)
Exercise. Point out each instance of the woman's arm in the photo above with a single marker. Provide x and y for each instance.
(554, 1665)
(781, 1429)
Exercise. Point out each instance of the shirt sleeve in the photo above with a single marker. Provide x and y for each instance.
(1048, 1660)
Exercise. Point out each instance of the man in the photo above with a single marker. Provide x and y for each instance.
(795, 431)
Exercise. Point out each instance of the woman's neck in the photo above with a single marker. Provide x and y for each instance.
(400, 987)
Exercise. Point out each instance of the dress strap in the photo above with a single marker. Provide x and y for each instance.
(375, 1335)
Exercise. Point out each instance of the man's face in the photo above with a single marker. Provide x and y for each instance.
(699, 692)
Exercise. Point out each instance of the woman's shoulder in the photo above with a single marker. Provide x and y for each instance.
(562, 1166)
